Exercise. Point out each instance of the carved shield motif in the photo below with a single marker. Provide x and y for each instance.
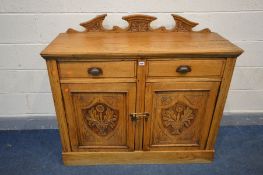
(178, 117)
(101, 118)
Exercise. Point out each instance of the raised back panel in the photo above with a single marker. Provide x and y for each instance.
(138, 23)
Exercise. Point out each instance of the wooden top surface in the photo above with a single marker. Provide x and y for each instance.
(137, 44)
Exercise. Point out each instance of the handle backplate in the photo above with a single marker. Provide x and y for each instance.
(95, 71)
(183, 69)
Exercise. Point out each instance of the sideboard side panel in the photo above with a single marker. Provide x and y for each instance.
(222, 95)
(58, 101)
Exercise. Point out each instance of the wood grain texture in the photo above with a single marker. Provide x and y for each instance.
(172, 44)
(137, 23)
(141, 75)
(219, 108)
(97, 80)
(138, 157)
(181, 79)
(59, 106)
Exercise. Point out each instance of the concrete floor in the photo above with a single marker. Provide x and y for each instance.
(239, 151)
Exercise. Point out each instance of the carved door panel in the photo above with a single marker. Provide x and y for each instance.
(180, 115)
(98, 116)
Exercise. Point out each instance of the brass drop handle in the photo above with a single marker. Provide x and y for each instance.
(95, 71)
(183, 69)
(138, 116)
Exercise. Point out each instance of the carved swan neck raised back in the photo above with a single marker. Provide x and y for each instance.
(138, 23)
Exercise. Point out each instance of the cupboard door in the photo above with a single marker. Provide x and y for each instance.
(98, 116)
(180, 115)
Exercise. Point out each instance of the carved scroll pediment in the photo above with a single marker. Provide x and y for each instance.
(92, 25)
(138, 23)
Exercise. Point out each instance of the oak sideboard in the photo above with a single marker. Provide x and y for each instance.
(139, 95)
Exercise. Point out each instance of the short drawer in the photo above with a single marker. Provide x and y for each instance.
(188, 68)
(111, 69)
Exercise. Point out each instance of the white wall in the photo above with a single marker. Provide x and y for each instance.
(26, 27)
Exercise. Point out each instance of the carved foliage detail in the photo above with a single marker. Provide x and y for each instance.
(138, 23)
(101, 118)
(177, 117)
(166, 100)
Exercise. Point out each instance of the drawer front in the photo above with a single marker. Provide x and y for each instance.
(98, 69)
(187, 68)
